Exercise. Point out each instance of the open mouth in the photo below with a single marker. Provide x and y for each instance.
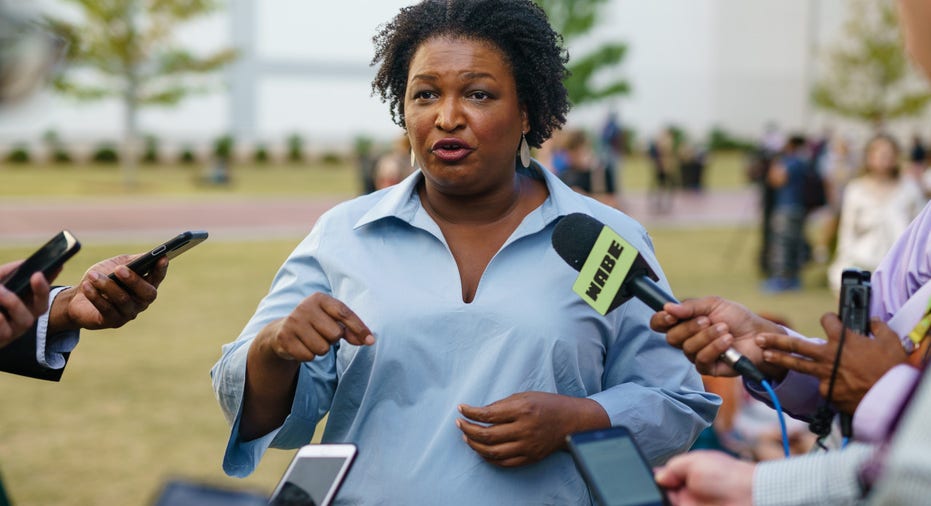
(451, 150)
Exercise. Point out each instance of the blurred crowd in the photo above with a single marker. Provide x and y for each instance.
(825, 199)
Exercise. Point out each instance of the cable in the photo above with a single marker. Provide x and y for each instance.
(782, 420)
(821, 421)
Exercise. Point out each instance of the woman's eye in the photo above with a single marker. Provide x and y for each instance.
(480, 95)
(424, 94)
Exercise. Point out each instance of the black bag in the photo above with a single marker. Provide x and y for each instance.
(814, 194)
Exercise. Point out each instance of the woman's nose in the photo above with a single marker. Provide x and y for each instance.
(449, 115)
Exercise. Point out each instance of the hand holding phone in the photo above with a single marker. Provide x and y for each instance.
(48, 259)
(182, 242)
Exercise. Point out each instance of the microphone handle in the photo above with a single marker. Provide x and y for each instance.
(652, 295)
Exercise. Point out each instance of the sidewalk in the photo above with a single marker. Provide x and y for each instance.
(130, 220)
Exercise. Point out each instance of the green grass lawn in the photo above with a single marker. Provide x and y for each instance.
(135, 405)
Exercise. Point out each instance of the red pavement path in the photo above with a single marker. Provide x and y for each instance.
(31, 221)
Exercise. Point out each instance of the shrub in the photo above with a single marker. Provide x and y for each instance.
(721, 140)
(187, 155)
(106, 153)
(261, 154)
(295, 148)
(19, 154)
(150, 153)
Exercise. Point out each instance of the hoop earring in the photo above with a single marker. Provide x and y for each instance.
(524, 152)
(413, 160)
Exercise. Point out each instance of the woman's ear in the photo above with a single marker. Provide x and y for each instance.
(524, 119)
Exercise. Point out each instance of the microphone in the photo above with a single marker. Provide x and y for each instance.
(612, 271)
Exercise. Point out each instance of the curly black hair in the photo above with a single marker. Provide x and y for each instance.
(519, 28)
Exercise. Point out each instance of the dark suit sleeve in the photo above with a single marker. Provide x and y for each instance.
(19, 357)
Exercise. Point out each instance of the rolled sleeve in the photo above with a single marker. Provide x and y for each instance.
(51, 350)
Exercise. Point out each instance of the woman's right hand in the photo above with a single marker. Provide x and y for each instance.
(312, 328)
(18, 315)
(274, 358)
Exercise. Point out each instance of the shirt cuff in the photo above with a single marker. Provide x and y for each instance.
(50, 350)
(881, 403)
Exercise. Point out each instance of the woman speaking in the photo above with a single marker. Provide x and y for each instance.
(432, 320)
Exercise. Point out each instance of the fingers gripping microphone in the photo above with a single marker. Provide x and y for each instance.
(612, 271)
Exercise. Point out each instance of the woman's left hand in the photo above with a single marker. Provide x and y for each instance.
(526, 427)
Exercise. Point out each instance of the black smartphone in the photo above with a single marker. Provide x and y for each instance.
(614, 467)
(172, 248)
(180, 492)
(854, 300)
(51, 256)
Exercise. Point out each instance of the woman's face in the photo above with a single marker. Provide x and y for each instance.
(463, 115)
(881, 157)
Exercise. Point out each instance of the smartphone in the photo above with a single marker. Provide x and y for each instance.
(854, 301)
(614, 467)
(180, 492)
(46, 260)
(314, 475)
(172, 248)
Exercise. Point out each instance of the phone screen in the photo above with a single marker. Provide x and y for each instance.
(311, 481)
(615, 469)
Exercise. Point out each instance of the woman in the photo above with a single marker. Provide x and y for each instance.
(432, 320)
(877, 207)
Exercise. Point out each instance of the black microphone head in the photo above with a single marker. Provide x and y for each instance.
(574, 237)
(611, 263)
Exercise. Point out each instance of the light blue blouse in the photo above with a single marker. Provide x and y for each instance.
(526, 330)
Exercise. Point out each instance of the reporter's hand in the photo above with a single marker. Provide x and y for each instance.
(705, 328)
(98, 302)
(707, 477)
(16, 315)
(863, 360)
(526, 427)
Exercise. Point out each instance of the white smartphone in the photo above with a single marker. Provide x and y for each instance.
(314, 475)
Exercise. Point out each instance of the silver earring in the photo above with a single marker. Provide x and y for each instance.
(524, 152)
(413, 160)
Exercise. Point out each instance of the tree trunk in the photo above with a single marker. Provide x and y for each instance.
(130, 149)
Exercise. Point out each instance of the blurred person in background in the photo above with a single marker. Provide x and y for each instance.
(664, 158)
(877, 207)
(787, 228)
(395, 165)
(580, 161)
(837, 166)
(612, 145)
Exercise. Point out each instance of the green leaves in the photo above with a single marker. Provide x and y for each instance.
(592, 74)
(126, 48)
(867, 74)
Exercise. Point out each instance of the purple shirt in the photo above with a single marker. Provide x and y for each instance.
(900, 294)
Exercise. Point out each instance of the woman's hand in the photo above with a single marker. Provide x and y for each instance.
(312, 328)
(528, 426)
(317, 323)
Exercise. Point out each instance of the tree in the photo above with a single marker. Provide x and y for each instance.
(574, 20)
(868, 77)
(127, 46)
